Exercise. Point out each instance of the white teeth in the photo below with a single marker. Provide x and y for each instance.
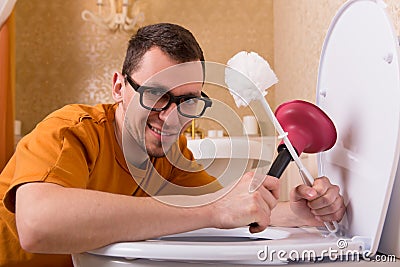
(158, 131)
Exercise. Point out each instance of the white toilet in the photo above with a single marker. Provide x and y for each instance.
(359, 88)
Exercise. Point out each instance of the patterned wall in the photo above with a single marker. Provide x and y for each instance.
(62, 59)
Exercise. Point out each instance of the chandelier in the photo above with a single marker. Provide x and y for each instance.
(117, 17)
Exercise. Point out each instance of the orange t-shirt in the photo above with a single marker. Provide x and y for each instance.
(76, 147)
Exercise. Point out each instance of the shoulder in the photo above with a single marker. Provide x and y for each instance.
(74, 121)
(76, 113)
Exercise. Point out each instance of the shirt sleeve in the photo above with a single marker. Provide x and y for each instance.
(56, 151)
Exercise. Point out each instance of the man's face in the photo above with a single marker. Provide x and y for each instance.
(156, 131)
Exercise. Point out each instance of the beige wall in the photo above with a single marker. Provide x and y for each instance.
(62, 59)
(299, 30)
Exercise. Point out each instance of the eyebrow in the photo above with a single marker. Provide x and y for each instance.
(165, 88)
(156, 85)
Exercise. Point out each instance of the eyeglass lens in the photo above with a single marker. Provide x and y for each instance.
(158, 99)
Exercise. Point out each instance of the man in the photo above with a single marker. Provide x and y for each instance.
(68, 189)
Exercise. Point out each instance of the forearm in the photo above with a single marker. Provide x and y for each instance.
(282, 215)
(68, 220)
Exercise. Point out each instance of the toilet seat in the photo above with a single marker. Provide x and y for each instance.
(359, 57)
(241, 247)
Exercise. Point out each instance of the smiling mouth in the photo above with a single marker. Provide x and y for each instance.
(159, 132)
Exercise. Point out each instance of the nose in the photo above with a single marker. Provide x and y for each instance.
(170, 115)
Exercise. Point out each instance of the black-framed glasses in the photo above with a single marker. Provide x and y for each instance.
(159, 99)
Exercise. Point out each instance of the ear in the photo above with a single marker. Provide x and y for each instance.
(118, 87)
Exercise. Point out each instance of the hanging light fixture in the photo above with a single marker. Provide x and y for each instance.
(117, 18)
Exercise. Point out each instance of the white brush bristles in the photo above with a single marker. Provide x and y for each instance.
(248, 75)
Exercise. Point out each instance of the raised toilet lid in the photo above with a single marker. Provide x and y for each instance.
(358, 87)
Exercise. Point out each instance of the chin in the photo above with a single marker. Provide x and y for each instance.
(157, 148)
(158, 151)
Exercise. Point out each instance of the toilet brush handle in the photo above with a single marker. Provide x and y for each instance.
(333, 226)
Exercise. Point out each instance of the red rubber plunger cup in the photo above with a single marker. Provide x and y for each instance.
(309, 130)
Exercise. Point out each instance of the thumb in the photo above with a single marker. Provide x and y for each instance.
(303, 192)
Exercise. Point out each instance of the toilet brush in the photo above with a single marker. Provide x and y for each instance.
(248, 76)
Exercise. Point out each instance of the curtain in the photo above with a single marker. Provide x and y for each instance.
(6, 7)
(7, 89)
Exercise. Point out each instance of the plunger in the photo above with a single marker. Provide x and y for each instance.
(309, 130)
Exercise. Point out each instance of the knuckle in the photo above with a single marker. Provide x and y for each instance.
(337, 216)
(336, 188)
(273, 203)
(324, 200)
(324, 179)
(336, 205)
(274, 181)
(341, 213)
(264, 223)
(340, 203)
(256, 195)
(329, 199)
(253, 209)
(321, 179)
(322, 182)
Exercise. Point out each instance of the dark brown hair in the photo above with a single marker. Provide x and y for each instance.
(172, 39)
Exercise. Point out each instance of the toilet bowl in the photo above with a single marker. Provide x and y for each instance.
(359, 88)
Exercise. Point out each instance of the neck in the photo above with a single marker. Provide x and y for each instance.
(130, 147)
(118, 125)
